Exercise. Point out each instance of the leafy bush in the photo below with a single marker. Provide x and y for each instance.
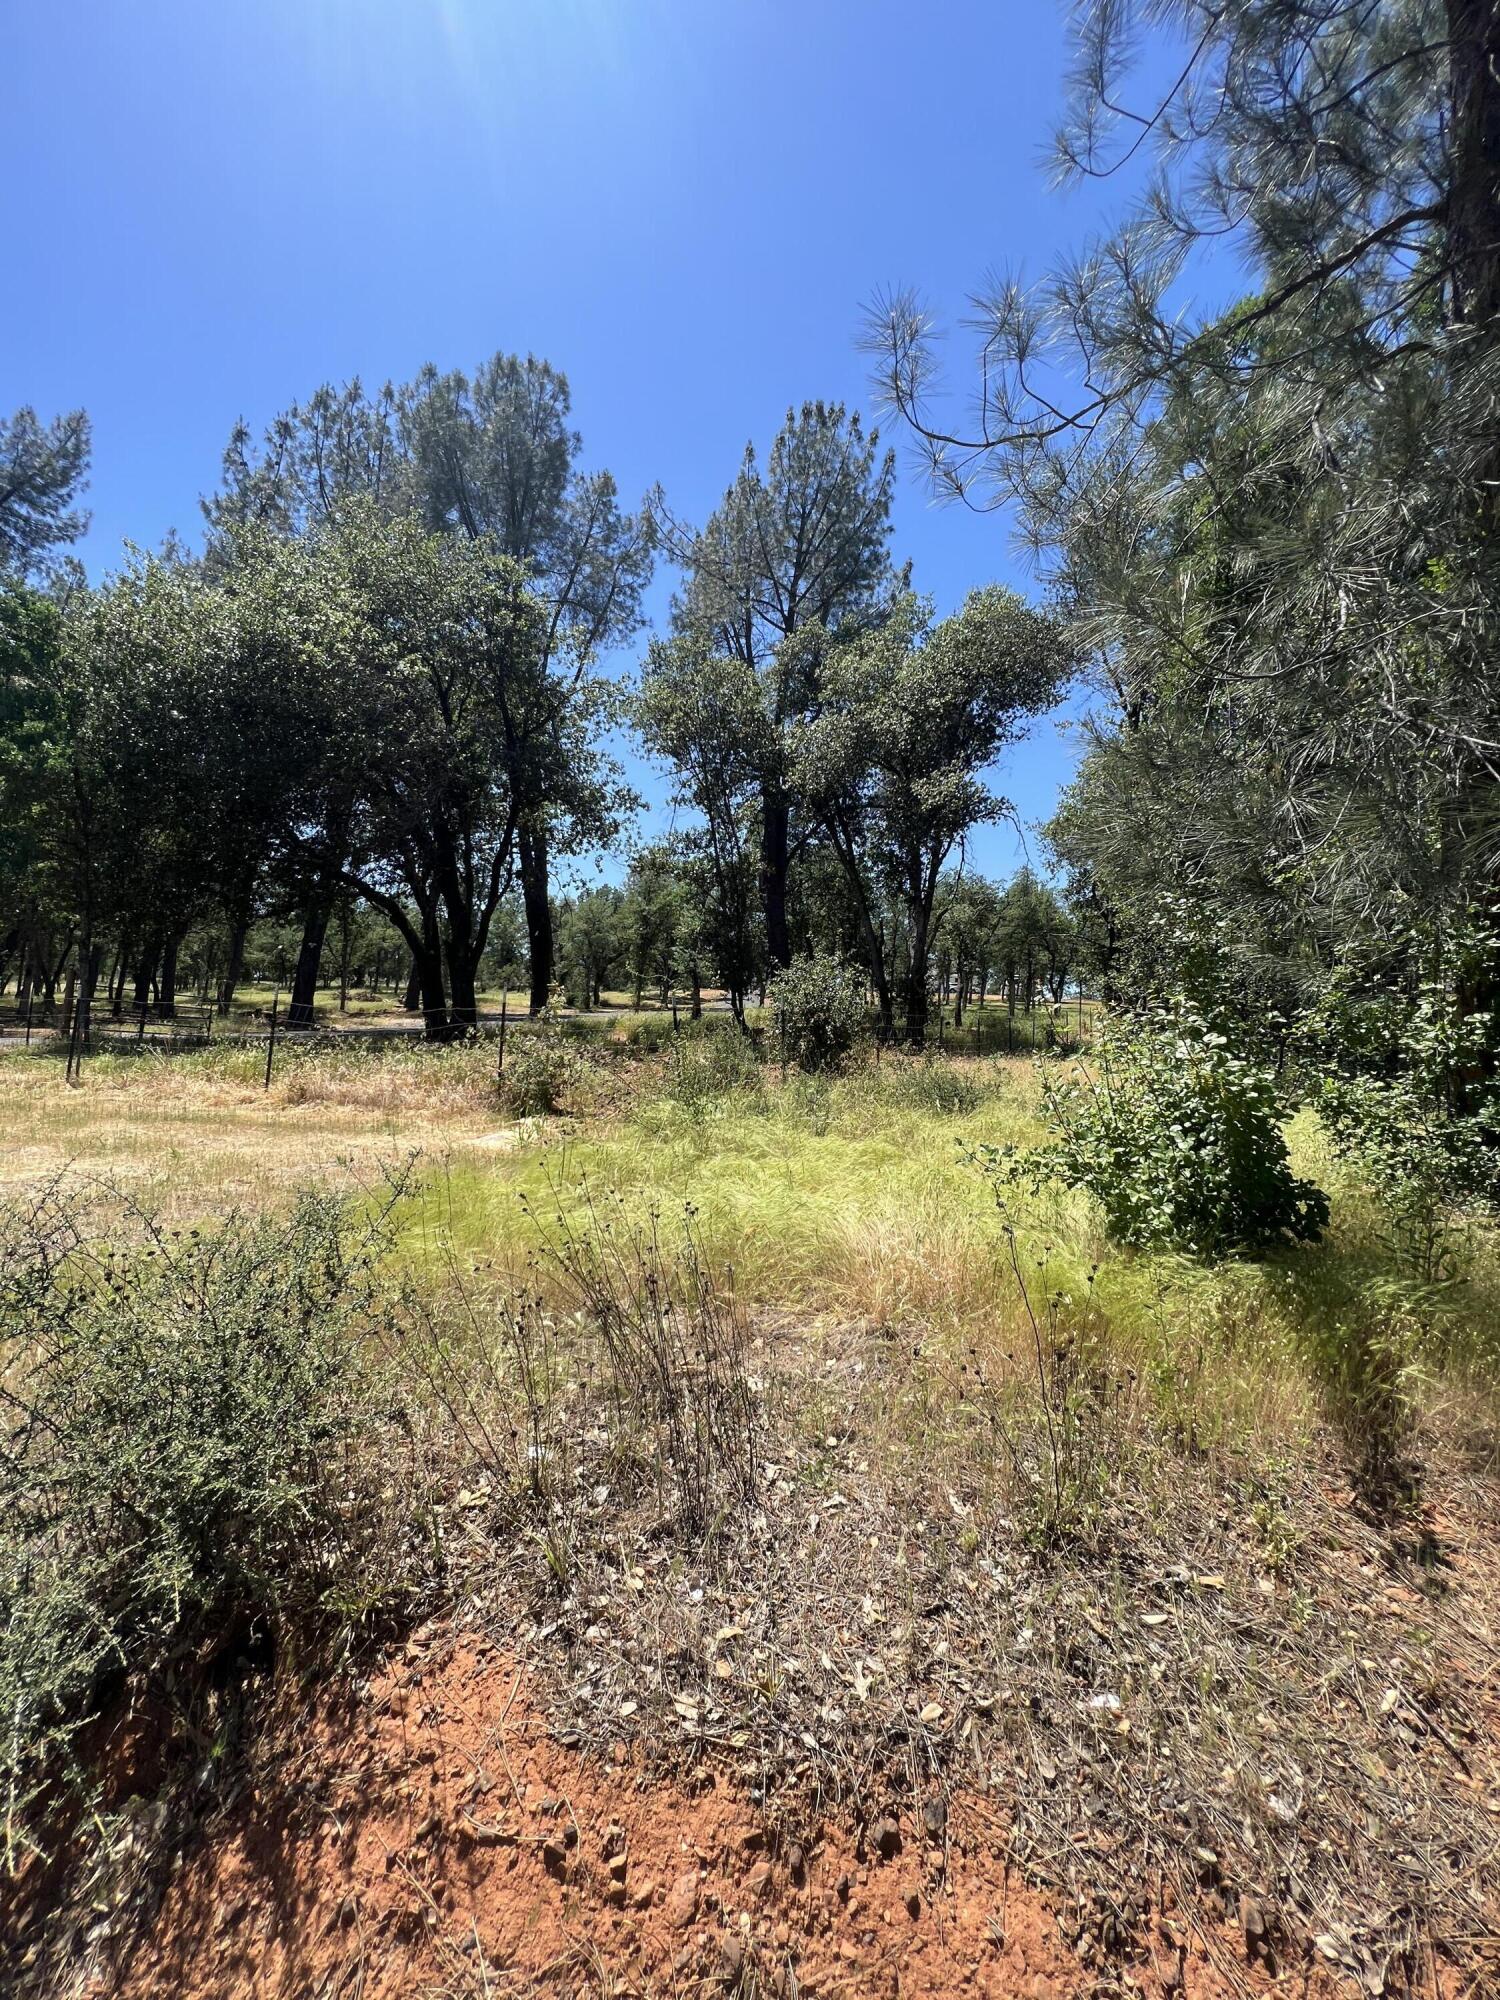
(196, 1460)
(1178, 1138)
(1412, 1101)
(818, 1008)
(540, 1069)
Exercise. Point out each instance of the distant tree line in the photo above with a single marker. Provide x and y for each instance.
(1016, 946)
(371, 718)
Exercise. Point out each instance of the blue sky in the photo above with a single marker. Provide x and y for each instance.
(682, 203)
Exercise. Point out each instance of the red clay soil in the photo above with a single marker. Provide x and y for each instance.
(438, 1841)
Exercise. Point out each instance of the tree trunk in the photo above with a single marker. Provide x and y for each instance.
(532, 849)
(239, 929)
(145, 975)
(463, 1007)
(1472, 222)
(166, 986)
(430, 978)
(775, 860)
(117, 980)
(344, 956)
(531, 845)
(299, 1013)
(1473, 209)
(916, 978)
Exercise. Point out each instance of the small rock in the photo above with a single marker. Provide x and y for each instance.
(554, 1857)
(934, 1817)
(885, 1838)
(682, 1900)
(758, 1881)
(913, 1901)
(645, 1894)
(1252, 1921)
(731, 1958)
(796, 1862)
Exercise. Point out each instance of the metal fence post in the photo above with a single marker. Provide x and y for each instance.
(271, 1043)
(500, 1058)
(30, 1003)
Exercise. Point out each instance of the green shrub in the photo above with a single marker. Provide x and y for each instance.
(1178, 1138)
(540, 1070)
(197, 1460)
(1410, 1099)
(818, 1010)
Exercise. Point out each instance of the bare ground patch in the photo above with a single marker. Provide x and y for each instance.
(876, 1732)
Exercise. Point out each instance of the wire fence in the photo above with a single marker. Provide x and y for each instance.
(975, 1031)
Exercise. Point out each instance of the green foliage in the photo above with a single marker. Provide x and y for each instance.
(590, 944)
(43, 468)
(818, 1009)
(541, 1066)
(795, 555)
(1368, 1366)
(1274, 524)
(1411, 1098)
(706, 1069)
(1178, 1138)
(911, 716)
(926, 1084)
(196, 1463)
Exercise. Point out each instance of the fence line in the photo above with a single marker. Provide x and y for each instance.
(984, 1032)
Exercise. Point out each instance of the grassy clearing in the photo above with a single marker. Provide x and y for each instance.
(852, 1198)
(715, 1353)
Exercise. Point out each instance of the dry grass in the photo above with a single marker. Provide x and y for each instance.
(202, 1130)
(1067, 1523)
(853, 1200)
(1201, 1679)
